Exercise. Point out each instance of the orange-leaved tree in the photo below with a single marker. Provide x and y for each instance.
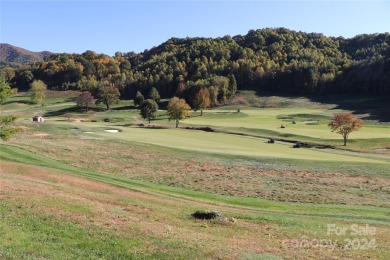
(344, 124)
(202, 100)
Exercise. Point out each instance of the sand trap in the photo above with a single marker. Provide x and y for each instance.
(88, 132)
(112, 131)
(311, 122)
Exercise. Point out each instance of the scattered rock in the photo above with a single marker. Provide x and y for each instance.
(200, 214)
(232, 220)
(297, 145)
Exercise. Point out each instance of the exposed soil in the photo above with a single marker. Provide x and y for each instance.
(41, 135)
(79, 120)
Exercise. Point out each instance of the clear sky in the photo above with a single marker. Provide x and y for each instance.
(127, 25)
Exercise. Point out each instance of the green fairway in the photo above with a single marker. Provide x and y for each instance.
(223, 144)
(266, 119)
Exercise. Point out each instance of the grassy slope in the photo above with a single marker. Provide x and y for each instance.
(267, 119)
(44, 226)
(265, 122)
(57, 227)
(15, 154)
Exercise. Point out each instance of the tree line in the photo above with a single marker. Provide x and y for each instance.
(272, 60)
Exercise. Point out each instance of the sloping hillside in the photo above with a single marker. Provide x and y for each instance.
(268, 60)
(13, 54)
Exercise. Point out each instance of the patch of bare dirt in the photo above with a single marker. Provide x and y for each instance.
(40, 135)
(79, 120)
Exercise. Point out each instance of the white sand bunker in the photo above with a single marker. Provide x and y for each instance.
(112, 131)
(311, 122)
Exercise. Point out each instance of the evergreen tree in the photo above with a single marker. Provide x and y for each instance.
(153, 94)
(232, 85)
(138, 99)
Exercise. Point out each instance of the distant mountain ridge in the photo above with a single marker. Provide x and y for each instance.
(13, 54)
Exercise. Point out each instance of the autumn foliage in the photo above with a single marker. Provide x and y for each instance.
(344, 124)
(178, 109)
(107, 93)
(202, 100)
(85, 100)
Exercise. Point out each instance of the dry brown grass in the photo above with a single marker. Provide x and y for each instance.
(210, 175)
(62, 94)
(131, 213)
(40, 135)
(120, 210)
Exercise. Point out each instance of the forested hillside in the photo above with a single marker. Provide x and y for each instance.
(12, 55)
(274, 60)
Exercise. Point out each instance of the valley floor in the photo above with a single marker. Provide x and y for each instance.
(70, 188)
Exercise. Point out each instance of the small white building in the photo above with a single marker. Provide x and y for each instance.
(38, 119)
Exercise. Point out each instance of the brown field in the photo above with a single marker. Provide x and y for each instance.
(237, 178)
(137, 214)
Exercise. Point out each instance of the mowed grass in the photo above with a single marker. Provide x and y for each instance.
(219, 143)
(313, 124)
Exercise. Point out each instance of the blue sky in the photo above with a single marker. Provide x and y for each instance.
(109, 26)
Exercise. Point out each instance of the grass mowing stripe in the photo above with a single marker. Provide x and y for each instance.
(347, 212)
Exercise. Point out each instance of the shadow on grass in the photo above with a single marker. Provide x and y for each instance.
(61, 112)
(372, 107)
(124, 108)
(74, 109)
(26, 102)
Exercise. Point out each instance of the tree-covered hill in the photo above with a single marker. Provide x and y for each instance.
(273, 60)
(14, 55)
